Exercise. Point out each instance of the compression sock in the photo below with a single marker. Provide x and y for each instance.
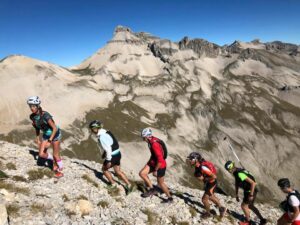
(60, 164)
(49, 156)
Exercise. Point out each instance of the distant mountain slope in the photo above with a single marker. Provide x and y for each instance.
(193, 93)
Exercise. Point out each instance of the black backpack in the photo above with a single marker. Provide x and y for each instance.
(115, 144)
(164, 147)
(243, 184)
(285, 206)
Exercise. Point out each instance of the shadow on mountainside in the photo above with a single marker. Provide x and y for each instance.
(41, 161)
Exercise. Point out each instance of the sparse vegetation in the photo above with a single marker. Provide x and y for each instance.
(39, 174)
(3, 175)
(11, 166)
(89, 180)
(114, 192)
(175, 222)
(84, 71)
(82, 197)
(13, 210)
(19, 179)
(70, 213)
(231, 220)
(65, 198)
(120, 221)
(13, 188)
(152, 216)
(193, 211)
(38, 208)
(103, 204)
(1, 166)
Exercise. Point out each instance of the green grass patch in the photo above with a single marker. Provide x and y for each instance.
(3, 175)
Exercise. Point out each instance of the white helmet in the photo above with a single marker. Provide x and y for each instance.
(34, 100)
(147, 132)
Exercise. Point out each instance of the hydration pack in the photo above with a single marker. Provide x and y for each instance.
(210, 166)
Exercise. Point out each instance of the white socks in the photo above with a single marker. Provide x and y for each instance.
(50, 156)
(60, 164)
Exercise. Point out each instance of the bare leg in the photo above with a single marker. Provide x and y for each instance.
(121, 175)
(163, 186)
(215, 200)
(144, 175)
(205, 201)
(43, 149)
(245, 208)
(107, 174)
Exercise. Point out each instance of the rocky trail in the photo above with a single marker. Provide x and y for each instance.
(30, 195)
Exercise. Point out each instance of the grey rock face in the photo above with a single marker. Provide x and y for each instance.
(3, 215)
(200, 46)
(281, 47)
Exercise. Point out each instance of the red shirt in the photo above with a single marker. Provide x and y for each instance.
(157, 154)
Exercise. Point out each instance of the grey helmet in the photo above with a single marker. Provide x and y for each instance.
(194, 156)
(34, 100)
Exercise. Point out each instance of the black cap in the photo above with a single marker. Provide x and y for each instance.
(284, 183)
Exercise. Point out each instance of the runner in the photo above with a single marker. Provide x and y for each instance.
(112, 154)
(43, 121)
(244, 180)
(156, 165)
(290, 205)
(205, 171)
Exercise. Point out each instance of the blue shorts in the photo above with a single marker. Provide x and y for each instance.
(57, 136)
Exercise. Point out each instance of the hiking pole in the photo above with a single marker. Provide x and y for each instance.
(233, 151)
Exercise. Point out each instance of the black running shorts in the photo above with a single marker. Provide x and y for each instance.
(210, 187)
(115, 160)
(160, 172)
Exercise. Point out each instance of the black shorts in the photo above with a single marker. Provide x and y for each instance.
(246, 197)
(115, 160)
(160, 172)
(210, 188)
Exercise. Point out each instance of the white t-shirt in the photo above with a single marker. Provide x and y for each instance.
(294, 201)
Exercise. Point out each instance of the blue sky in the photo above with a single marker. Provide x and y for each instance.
(66, 32)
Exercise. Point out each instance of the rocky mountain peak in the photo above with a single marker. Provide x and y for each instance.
(200, 46)
(120, 28)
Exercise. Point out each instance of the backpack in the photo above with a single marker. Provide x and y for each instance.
(243, 184)
(164, 147)
(285, 206)
(210, 166)
(115, 145)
